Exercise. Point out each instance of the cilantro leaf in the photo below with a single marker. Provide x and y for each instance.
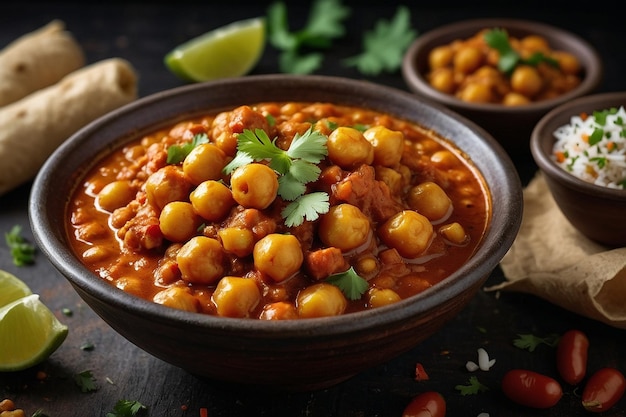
(385, 45)
(473, 387)
(498, 39)
(295, 166)
(350, 283)
(86, 381)
(530, 341)
(177, 153)
(324, 24)
(126, 408)
(22, 252)
(308, 206)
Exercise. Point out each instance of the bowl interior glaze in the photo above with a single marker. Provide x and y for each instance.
(292, 355)
(596, 211)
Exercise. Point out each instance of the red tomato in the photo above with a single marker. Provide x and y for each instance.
(603, 389)
(531, 388)
(571, 356)
(426, 404)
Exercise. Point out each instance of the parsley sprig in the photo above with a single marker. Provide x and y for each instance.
(126, 408)
(296, 166)
(509, 57)
(474, 386)
(530, 341)
(177, 153)
(384, 46)
(22, 252)
(299, 49)
(350, 283)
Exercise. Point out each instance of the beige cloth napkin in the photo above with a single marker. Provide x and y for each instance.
(552, 260)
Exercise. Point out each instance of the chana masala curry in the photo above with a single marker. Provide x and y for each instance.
(280, 211)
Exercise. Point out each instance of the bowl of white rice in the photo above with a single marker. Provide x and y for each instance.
(580, 148)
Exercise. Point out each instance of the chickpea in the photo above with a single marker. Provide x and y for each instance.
(212, 200)
(430, 200)
(476, 93)
(444, 159)
(388, 145)
(440, 57)
(236, 296)
(165, 185)
(367, 266)
(408, 232)
(515, 99)
(344, 227)
(115, 195)
(526, 80)
(254, 185)
(454, 233)
(534, 43)
(568, 62)
(96, 254)
(320, 300)
(178, 221)
(278, 256)
(179, 298)
(131, 285)
(378, 297)
(391, 177)
(236, 240)
(443, 79)
(204, 162)
(348, 148)
(280, 310)
(200, 260)
(467, 59)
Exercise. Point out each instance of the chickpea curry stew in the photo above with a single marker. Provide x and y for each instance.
(280, 211)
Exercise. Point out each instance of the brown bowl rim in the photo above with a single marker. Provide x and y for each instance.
(560, 116)
(588, 56)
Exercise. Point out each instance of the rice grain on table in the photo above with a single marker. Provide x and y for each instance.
(593, 147)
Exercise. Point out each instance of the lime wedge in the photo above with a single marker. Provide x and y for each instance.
(228, 51)
(29, 333)
(11, 288)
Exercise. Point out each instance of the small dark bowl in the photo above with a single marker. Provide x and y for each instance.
(511, 126)
(597, 212)
(293, 355)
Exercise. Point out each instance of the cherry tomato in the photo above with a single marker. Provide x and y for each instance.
(603, 389)
(426, 404)
(571, 356)
(531, 388)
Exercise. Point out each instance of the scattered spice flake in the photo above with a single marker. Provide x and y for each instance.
(473, 387)
(420, 373)
(530, 341)
(88, 346)
(67, 312)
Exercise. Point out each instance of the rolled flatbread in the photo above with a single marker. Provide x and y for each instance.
(33, 127)
(37, 60)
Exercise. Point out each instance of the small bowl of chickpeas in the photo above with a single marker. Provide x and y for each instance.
(503, 74)
(277, 231)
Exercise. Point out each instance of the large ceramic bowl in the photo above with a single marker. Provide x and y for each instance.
(510, 125)
(595, 210)
(291, 354)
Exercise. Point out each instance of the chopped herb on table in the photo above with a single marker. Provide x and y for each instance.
(86, 381)
(473, 387)
(22, 251)
(126, 408)
(530, 341)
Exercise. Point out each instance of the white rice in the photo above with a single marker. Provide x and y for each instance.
(601, 158)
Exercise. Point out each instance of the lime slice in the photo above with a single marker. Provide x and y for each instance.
(11, 288)
(29, 333)
(228, 51)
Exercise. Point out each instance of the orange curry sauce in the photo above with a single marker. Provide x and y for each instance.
(119, 229)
